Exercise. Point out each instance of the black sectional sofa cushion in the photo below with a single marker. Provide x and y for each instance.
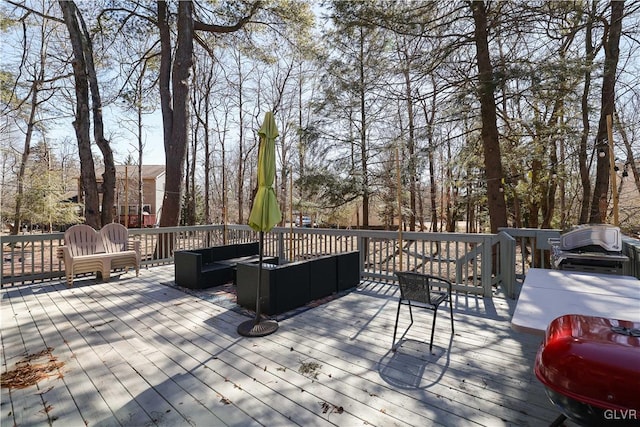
(208, 267)
(288, 286)
(347, 270)
(284, 287)
(322, 277)
(216, 253)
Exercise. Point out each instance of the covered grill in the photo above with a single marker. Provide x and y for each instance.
(590, 367)
(589, 248)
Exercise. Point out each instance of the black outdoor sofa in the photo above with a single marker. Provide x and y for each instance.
(214, 266)
(288, 286)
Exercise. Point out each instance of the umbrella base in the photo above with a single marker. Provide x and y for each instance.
(252, 329)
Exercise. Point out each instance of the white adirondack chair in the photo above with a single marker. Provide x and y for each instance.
(124, 252)
(80, 252)
(88, 251)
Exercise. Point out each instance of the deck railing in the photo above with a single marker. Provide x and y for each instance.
(532, 245)
(631, 248)
(476, 263)
(534, 250)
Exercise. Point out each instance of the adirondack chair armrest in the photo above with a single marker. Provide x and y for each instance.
(63, 253)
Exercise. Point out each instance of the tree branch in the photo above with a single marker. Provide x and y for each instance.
(22, 6)
(212, 28)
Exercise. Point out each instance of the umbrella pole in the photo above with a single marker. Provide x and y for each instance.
(260, 257)
(257, 327)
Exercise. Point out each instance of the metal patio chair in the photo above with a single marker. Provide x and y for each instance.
(423, 291)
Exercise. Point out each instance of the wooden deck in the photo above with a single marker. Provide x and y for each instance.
(137, 352)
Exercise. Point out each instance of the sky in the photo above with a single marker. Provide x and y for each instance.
(122, 135)
(124, 142)
(117, 121)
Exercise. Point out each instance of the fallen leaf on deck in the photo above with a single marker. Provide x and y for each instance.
(310, 369)
(27, 372)
(331, 408)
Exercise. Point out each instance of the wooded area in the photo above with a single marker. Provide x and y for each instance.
(485, 114)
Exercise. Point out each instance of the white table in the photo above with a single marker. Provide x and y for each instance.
(548, 294)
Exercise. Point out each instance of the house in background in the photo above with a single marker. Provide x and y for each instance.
(629, 198)
(127, 209)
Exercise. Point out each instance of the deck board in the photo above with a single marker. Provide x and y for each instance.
(138, 352)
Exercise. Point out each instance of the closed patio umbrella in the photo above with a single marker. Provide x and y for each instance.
(265, 214)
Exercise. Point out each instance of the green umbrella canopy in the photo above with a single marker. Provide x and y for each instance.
(265, 213)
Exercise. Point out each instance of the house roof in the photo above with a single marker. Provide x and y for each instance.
(148, 171)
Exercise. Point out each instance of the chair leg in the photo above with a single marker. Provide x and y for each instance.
(451, 311)
(395, 328)
(433, 328)
(410, 316)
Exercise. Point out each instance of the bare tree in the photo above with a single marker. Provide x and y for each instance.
(86, 82)
(38, 74)
(174, 94)
(583, 153)
(492, 157)
(29, 112)
(612, 51)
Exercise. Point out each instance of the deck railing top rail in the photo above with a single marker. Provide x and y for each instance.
(464, 258)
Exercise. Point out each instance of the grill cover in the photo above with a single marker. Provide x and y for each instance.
(591, 248)
(607, 237)
(591, 361)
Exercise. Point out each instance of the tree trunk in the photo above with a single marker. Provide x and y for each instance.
(585, 179)
(174, 95)
(363, 139)
(429, 117)
(140, 149)
(490, 142)
(536, 184)
(631, 161)
(186, 215)
(35, 89)
(240, 142)
(452, 192)
(411, 147)
(517, 207)
(175, 104)
(81, 124)
(603, 166)
(549, 202)
(109, 175)
(207, 155)
(433, 188)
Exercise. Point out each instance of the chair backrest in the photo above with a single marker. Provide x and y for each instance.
(418, 286)
(414, 286)
(81, 239)
(114, 237)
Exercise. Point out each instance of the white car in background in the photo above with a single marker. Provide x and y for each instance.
(306, 222)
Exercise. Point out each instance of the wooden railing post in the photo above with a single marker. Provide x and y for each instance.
(486, 267)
